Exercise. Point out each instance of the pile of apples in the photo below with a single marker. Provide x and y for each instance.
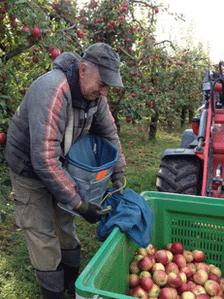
(174, 273)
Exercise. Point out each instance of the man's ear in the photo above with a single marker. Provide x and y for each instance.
(82, 69)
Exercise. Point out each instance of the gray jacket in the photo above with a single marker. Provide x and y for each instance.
(35, 138)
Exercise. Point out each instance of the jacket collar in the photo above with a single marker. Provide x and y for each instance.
(78, 101)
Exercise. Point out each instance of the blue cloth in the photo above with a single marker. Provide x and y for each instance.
(131, 214)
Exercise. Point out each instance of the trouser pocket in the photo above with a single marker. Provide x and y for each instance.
(21, 212)
(21, 198)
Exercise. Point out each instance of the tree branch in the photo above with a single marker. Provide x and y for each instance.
(165, 41)
(15, 52)
(126, 53)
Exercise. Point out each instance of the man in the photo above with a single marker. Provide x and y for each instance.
(35, 146)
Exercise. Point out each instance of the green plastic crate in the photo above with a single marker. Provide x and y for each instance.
(197, 222)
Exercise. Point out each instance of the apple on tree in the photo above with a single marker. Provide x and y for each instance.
(54, 52)
(2, 138)
(36, 32)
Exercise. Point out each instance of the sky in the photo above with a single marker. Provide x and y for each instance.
(204, 18)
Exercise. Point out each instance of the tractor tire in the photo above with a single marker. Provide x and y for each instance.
(179, 175)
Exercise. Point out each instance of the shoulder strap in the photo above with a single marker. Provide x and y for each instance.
(69, 132)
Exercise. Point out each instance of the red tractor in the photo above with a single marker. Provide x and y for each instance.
(197, 167)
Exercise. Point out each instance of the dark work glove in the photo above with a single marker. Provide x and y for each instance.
(90, 212)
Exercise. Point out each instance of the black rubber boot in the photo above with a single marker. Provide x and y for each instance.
(51, 283)
(47, 294)
(70, 276)
(70, 263)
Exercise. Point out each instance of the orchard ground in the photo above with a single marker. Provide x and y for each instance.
(17, 279)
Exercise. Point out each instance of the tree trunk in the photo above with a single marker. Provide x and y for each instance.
(190, 114)
(183, 117)
(115, 108)
(153, 125)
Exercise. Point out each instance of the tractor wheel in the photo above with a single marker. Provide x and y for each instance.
(179, 175)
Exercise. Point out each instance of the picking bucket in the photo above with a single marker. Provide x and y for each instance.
(90, 162)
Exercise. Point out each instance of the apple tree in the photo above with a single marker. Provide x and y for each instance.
(33, 33)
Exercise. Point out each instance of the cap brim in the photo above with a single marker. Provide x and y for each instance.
(110, 78)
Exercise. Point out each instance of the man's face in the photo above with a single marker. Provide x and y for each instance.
(90, 82)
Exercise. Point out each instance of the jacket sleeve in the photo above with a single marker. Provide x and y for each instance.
(104, 125)
(47, 121)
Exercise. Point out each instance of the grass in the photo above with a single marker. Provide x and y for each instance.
(17, 279)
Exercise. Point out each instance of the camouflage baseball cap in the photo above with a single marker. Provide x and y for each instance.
(108, 62)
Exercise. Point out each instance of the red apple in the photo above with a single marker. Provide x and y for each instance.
(99, 20)
(214, 277)
(215, 270)
(212, 287)
(36, 32)
(197, 290)
(191, 285)
(111, 24)
(80, 34)
(154, 292)
(183, 288)
(26, 29)
(202, 266)
(187, 270)
(2, 138)
(145, 264)
(192, 267)
(141, 251)
(188, 256)
(35, 59)
(157, 266)
(160, 277)
(133, 268)
(146, 283)
(54, 52)
(200, 277)
(183, 277)
(145, 274)
(129, 118)
(172, 267)
(168, 293)
(156, 9)
(133, 280)
(138, 257)
(161, 257)
(139, 293)
(168, 246)
(174, 280)
(93, 4)
(123, 8)
(198, 255)
(129, 49)
(177, 247)
(151, 250)
(179, 260)
(170, 255)
(149, 104)
(188, 295)
(121, 19)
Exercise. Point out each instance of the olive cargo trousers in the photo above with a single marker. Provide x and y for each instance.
(49, 231)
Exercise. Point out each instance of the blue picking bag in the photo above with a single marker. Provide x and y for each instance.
(131, 214)
(90, 162)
